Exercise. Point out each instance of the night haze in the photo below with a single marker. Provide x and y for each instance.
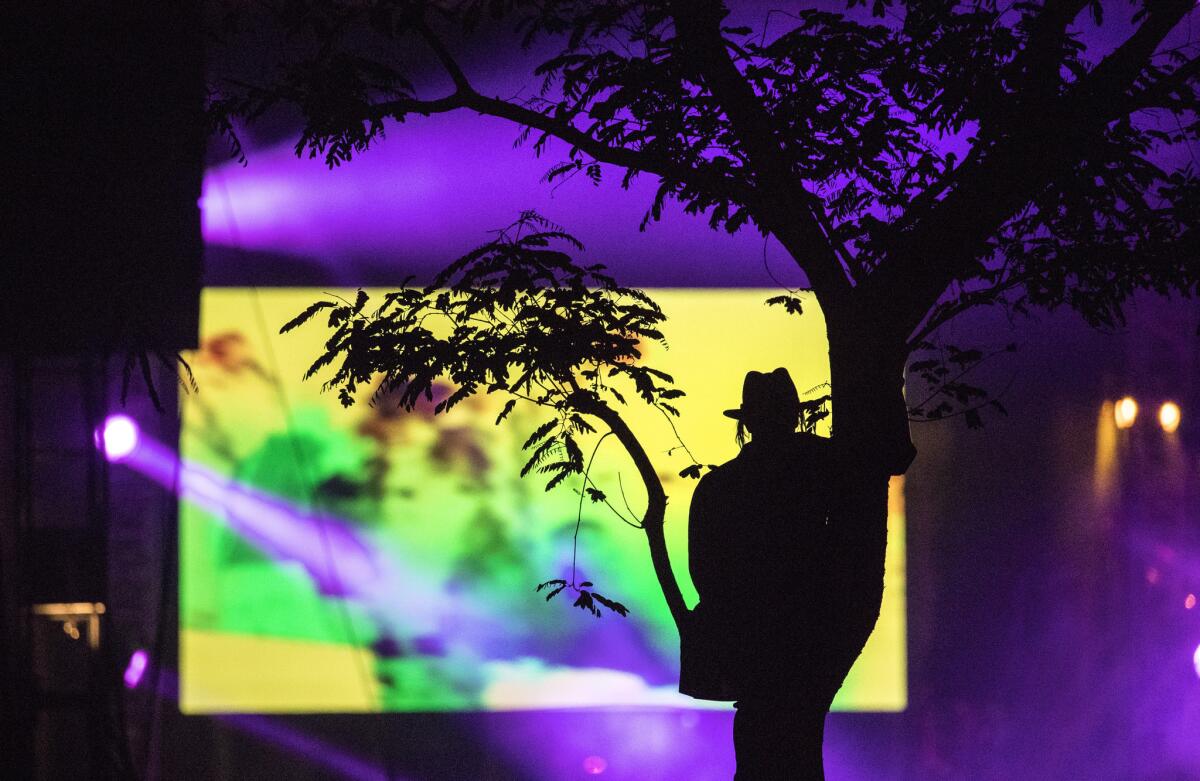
(651, 390)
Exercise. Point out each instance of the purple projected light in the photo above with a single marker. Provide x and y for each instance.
(136, 668)
(274, 526)
(341, 561)
(432, 190)
(339, 763)
(118, 437)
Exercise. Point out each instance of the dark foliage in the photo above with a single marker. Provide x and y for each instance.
(515, 316)
(1038, 171)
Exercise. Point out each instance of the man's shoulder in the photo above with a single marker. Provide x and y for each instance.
(718, 478)
(714, 476)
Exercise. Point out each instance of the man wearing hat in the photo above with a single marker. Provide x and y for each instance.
(759, 558)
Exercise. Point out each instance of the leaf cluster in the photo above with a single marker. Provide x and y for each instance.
(141, 360)
(984, 132)
(587, 598)
(938, 381)
(515, 316)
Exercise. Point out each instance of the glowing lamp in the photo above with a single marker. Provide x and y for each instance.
(594, 765)
(1168, 416)
(1125, 412)
(136, 668)
(1196, 661)
(118, 437)
(1189, 602)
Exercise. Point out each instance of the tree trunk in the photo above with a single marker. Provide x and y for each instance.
(870, 443)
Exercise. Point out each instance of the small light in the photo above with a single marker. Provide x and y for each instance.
(1189, 602)
(1168, 416)
(1125, 412)
(594, 765)
(136, 668)
(1196, 661)
(1152, 575)
(119, 437)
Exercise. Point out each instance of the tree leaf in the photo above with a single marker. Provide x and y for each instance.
(508, 407)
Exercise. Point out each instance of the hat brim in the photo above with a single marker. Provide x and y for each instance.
(736, 414)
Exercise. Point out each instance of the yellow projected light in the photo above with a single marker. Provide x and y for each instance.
(439, 501)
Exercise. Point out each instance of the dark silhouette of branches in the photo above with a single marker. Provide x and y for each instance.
(518, 317)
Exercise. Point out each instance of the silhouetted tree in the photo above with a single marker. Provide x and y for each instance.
(916, 159)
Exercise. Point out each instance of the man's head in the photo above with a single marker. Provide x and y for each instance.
(770, 405)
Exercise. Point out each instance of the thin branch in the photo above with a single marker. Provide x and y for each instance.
(981, 405)
(443, 54)
(615, 511)
(941, 389)
(1158, 94)
(787, 209)
(939, 316)
(675, 431)
(625, 499)
(1116, 73)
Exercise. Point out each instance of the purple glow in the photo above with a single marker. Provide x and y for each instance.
(1196, 661)
(118, 437)
(432, 190)
(552, 745)
(335, 760)
(276, 527)
(136, 668)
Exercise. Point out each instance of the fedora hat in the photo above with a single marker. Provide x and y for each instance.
(767, 394)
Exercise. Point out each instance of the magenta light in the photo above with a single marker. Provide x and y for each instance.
(136, 668)
(1196, 661)
(119, 437)
(594, 765)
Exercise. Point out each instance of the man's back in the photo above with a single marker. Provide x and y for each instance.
(757, 553)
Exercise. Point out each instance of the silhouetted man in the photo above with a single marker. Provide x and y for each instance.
(759, 560)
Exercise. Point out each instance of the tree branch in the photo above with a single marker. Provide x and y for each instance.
(453, 70)
(785, 207)
(1117, 72)
(1158, 94)
(1057, 131)
(466, 96)
(656, 504)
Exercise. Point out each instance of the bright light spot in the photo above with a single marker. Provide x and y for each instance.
(1125, 412)
(1196, 661)
(1189, 602)
(1151, 575)
(120, 435)
(136, 668)
(595, 765)
(1168, 416)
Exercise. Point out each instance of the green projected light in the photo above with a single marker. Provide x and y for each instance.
(450, 620)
